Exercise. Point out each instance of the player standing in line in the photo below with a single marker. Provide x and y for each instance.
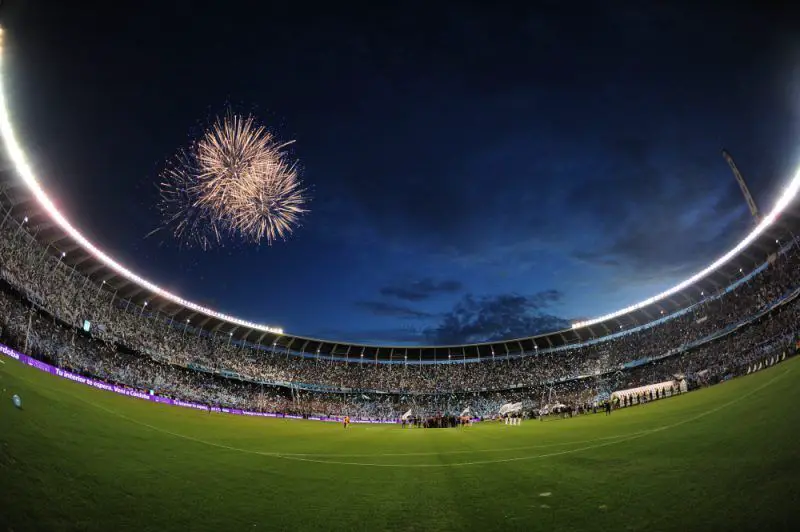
(346, 421)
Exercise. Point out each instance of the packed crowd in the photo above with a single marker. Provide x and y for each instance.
(28, 329)
(25, 328)
(43, 305)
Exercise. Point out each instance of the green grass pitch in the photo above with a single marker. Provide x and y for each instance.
(76, 458)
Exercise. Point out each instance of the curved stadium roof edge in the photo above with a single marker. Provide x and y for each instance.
(663, 300)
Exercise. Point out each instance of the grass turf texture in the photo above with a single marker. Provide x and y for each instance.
(722, 458)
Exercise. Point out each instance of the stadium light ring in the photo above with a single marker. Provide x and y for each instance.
(25, 171)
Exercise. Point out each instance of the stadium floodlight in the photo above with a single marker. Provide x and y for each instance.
(25, 220)
(25, 172)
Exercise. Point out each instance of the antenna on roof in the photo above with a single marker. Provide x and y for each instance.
(751, 203)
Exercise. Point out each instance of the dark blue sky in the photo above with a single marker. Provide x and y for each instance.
(477, 172)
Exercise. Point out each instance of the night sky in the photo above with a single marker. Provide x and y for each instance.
(477, 172)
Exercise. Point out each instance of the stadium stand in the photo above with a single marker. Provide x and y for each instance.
(56, 313)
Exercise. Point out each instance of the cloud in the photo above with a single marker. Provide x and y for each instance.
(660, 206)
(471, 319)
(598, 259)
(499, 317)
(381, 308)
(421, 290)
(667, 245)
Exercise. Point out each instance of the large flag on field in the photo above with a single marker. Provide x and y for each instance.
(465, 412)
(406, 415)
(510, 408)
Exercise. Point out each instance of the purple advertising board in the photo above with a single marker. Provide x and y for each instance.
(130, 392)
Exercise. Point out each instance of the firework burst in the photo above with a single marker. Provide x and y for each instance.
(236, 181)
(267, 203)
(232, 147)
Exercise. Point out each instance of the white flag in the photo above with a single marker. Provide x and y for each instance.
(510, 408)
(465, 412)
(406, 415)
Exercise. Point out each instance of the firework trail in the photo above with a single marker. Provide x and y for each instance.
(190, 224)
(236, 181)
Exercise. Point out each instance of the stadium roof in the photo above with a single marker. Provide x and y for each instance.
(27, 203)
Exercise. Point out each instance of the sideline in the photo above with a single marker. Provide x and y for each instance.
(299, 457)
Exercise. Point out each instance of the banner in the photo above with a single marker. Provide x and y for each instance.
(131, 392)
